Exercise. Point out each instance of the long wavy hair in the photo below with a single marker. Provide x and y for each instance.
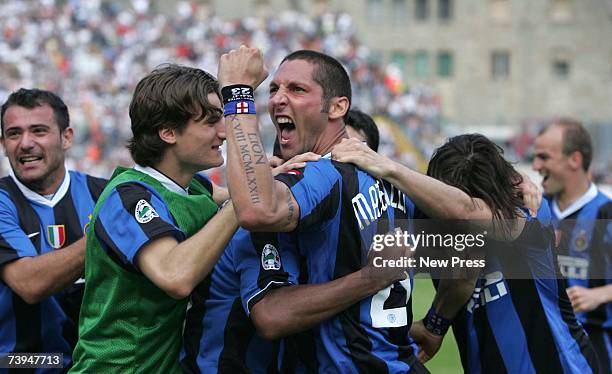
(476, 165)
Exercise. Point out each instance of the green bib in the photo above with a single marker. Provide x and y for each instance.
(127, 324)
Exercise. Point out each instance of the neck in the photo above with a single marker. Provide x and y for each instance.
(174, 172)
(332, 136)
(572, 191)
(48, 185)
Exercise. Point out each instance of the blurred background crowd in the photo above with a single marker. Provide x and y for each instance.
(92, 53)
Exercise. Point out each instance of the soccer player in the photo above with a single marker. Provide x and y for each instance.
(331, 210)
(44, 210)
(509, 325)
(361, 126)
(582, 214)
(156, 231)
(218, 334)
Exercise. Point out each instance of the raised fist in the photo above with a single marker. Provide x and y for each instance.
(242, 66)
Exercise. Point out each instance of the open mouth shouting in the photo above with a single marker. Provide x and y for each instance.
(287, 129)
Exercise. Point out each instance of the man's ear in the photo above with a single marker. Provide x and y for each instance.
(167, 134)
(575, 160)
(338, 107)
(67, 135)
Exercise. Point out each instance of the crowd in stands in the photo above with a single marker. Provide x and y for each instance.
(92, 53)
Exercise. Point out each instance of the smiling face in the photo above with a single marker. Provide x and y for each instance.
(550, 162)
(35, 147)
(198, 145)
(296, 107)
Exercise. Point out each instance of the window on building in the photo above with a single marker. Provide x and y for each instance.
(399, 13)
(499, 10)
(375, 12)
(500, 64)
(445, 9)
(445, 64)
(561, 68)
(421, 10)
(421, 64)
(399, 59)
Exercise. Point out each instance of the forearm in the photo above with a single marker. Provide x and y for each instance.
(192, 260)
(250, 180)
(452, 295)
(605, 293)
(435, 198)
(36, 278)
(289, 310)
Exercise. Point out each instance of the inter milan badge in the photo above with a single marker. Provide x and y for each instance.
(56, 235)
(144, 212)
(580, 243)
(270, 260)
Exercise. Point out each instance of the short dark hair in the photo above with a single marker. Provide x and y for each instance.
(328, 73)
(575, 139)
(32, 98)
(168, 97)
(361, 121)
(476, 165)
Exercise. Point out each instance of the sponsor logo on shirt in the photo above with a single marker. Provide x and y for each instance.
(144, 212)
(270, 260)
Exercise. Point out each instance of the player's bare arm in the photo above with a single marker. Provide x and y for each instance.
(289, 310)
(176, 267)
(433, 197)
(262, 204)
(36, 278)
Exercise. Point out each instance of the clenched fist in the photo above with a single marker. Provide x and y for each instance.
(242, 66)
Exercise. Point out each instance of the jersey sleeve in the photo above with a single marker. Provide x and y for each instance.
(316, 189)
(132, 216)
(14, 242)
(264, 261)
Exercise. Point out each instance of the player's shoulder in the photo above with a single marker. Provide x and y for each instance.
(84, 181)
(604, 205)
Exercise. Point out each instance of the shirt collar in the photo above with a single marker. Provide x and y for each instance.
(163, 179)
(576, 205)
(38, 198)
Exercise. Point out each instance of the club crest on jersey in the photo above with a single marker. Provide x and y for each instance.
(581, 241)
(270, 259)
(144, 212)
(56, 235)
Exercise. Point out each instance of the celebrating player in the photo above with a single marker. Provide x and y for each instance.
(44, 209)
(156, 232)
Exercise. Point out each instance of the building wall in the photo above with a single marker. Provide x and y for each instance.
(534, 34)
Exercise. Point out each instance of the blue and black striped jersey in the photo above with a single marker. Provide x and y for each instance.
(31, 225)
(585, 251)
(219, 336)
(524, 325)
(341, 209)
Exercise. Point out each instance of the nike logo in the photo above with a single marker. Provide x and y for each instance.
(33, 234)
